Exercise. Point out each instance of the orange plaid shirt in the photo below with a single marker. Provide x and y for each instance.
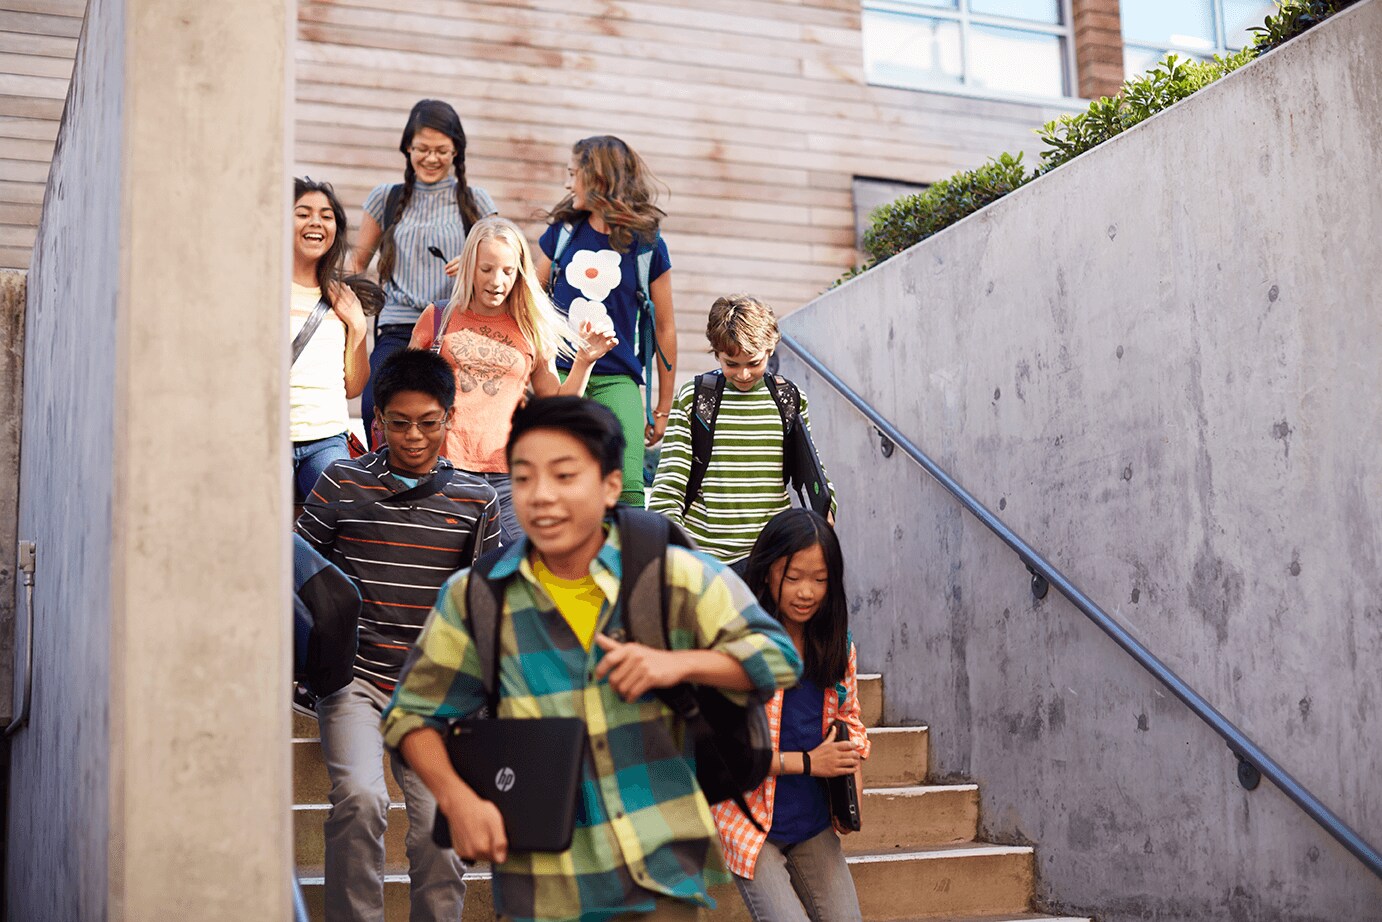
(741, 841)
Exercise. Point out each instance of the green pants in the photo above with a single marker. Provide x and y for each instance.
(621, 394)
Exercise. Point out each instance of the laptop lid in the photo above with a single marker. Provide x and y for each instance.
(529, 768)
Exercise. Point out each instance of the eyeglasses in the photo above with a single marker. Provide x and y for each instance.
(425, 426)
(445, 153)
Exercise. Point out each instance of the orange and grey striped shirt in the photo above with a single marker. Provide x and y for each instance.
(398, 556)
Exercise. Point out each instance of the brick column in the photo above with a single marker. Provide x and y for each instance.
(1098, 47)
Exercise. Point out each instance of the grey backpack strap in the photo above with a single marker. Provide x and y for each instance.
(705, 407)
(484, 605)
(314, 320)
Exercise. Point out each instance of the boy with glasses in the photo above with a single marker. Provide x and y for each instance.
(398, 522)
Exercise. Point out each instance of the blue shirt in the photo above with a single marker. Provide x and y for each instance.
(800, 809)
(596, 280)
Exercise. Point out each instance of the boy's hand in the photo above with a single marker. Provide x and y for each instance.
(477, 830)
(634, 669)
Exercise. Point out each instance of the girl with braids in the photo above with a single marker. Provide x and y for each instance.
(331, 367)
(431, 210)
(603, 245)
(796, 871)
(502, 337)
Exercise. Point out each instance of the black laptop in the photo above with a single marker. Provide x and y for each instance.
(529, 769)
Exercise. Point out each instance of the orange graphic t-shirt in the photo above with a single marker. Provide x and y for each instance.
(493, 361)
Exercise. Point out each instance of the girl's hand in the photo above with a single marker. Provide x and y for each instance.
(652, 434)
(347, 306)
(594, 343)
(453, 267)
(831, 759)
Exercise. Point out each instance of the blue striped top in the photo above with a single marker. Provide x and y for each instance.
(431, 219)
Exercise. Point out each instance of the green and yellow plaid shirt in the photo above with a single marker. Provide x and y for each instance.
(643, 828)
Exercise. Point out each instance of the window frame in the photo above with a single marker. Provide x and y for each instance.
(1221, 46)
(961, 14)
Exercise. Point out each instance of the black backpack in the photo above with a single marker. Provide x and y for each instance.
(733, 746)
(801, 466)
(326, 616)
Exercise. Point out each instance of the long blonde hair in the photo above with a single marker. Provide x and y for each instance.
(543, 326)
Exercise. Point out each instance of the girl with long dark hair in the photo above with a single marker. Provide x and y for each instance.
(410, 223)
(796, 870)
(332, 367)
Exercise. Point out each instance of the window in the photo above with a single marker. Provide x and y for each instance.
(871, 193)
(1195, 29)
(990, 47)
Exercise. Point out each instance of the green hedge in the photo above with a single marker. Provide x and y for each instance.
(900, 224)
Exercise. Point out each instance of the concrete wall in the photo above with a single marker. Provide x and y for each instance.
(1159, 365)
(153, 779)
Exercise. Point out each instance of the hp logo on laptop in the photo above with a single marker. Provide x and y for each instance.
(504, 779)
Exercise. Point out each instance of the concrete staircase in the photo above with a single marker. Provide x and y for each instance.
(916, 858)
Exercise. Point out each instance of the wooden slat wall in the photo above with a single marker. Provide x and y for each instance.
(753, 113)
(38, 42)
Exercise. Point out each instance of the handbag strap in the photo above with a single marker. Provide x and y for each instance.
(309, 328)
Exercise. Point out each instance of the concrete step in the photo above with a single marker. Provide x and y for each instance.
(309, 839)
(871, 698)
(1008, 917)
(304, 727)
(922, 816)
(312, 785)
(957, 882)
(976, 883)
(479, 906)
(900, 756)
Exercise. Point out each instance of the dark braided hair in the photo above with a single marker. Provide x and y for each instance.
(439, 116)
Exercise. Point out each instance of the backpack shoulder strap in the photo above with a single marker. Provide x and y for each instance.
(643, 541)
(705, 408)
(484, 605)
(309, 328)
(391, 204)
(788, 398)
(565, 234)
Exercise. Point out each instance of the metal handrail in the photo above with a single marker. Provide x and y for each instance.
(1252, 761)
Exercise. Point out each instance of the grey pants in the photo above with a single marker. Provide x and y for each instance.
(353, 748)
(801, 882)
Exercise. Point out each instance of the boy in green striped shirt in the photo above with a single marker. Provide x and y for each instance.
(743, 486)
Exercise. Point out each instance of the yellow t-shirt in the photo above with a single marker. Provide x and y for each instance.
(578, 600)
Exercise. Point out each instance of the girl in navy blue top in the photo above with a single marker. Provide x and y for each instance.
(589, 261)
(797, 870)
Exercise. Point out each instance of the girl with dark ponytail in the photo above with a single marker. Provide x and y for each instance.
(433, 209)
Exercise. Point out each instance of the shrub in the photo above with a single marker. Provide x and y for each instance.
(900, 224)
(1292, 18)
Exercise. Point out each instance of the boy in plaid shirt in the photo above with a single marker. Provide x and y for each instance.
(644, 837)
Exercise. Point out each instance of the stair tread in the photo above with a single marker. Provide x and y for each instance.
(938, 852)
(904, 790)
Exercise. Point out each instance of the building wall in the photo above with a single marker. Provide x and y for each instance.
(38, 40)
(1158, 364)
(152, 780)
(754, 114)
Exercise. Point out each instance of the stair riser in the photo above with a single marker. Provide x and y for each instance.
(893, 890)
(309, 841)
(938, 887)
(312, 785)
(896, 821)
(899, 757)
(871, 700)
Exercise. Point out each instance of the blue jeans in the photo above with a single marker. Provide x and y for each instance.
(353, 748)
(805, 882)
(510, 530)
(388, 339)
(311, 458)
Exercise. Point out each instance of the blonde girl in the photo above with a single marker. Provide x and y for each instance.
(607, 222)
(501, 336)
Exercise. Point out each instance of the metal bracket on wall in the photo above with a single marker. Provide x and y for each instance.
(885, 444)
(28, 560)
(1248, 775)
(1039, 584)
